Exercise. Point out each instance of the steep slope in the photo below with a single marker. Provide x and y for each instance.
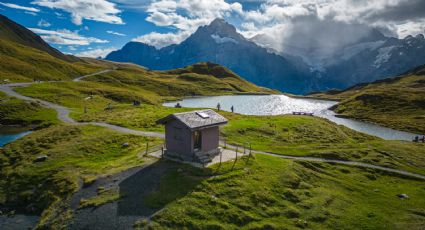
(24, 56)
(397, 102)
(10, 30)
(220, 43)
(19, 63)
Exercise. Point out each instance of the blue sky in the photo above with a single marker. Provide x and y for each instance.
(96, 27)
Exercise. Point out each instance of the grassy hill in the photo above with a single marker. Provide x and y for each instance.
(397, 102)
(12, 31)
(19, 63)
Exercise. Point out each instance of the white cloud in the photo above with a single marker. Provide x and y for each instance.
(95, 53)
(160, 40)
(115, 33)
(95, 10)
(43, 23)
(66, 37)
(31, 13)
(185, 16)
(18, 7)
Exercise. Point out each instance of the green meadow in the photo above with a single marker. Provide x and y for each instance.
(397, 102)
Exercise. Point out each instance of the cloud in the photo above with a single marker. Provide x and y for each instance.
(185, 16)
(160, 40)
(283, 24)
(43, 23)
(95, 53)
(66, 37)
(115, 33)
(95, 10)
(31, 13)
(18, 7)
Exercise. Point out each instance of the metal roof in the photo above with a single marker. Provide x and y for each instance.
(196, 119)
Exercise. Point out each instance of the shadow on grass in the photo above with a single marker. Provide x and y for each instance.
(151, 188)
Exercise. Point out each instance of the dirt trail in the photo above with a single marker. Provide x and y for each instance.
(63, 115)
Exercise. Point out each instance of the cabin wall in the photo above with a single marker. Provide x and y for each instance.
(178, 138)
(210, 138)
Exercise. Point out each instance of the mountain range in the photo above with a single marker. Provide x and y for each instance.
(298, 70)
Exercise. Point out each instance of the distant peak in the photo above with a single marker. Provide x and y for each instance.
(218, 21)
(419, 36)
(221, 28)
(408, 37)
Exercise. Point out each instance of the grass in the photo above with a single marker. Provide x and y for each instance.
(74, 152)
(103, 196)
(17, 112)
(397, 103)
(272, 193)
(19, 63)
(311, 136)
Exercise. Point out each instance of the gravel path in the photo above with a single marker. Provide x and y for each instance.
(100, 72)
(325, 160)
(63, 115)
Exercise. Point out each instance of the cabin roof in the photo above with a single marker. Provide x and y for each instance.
(196, 119)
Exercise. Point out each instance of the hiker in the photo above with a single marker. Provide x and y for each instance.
(177, 105)
(233, 109)
(218, 106)
(423, 139)
(416, 139)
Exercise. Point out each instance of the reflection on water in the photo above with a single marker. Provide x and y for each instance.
(281, 104)
(11, 133)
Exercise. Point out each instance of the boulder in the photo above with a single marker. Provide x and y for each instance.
(402, 196)
(41, 158)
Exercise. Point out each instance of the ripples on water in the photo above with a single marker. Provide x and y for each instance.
(281, 104)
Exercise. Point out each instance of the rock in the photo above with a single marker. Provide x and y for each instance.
(179, 170)
(402, 196)
(125, 145)
(40, 158)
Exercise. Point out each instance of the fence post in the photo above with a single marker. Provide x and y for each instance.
(147, 148)
(250, 150)
(162, 151)
(236, 159)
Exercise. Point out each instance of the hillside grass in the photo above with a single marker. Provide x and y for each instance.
(75, 153)
(17, 112)
(311, 136)
(19, 63)
(273, 193)
(397, 103)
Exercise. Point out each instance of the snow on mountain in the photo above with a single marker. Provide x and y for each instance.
(220, 40)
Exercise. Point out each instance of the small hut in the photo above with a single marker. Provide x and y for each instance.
(193, 136)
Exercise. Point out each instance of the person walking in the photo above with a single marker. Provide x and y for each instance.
(233, 109)
(218, 106)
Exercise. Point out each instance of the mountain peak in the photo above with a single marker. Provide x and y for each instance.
(220, 27)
